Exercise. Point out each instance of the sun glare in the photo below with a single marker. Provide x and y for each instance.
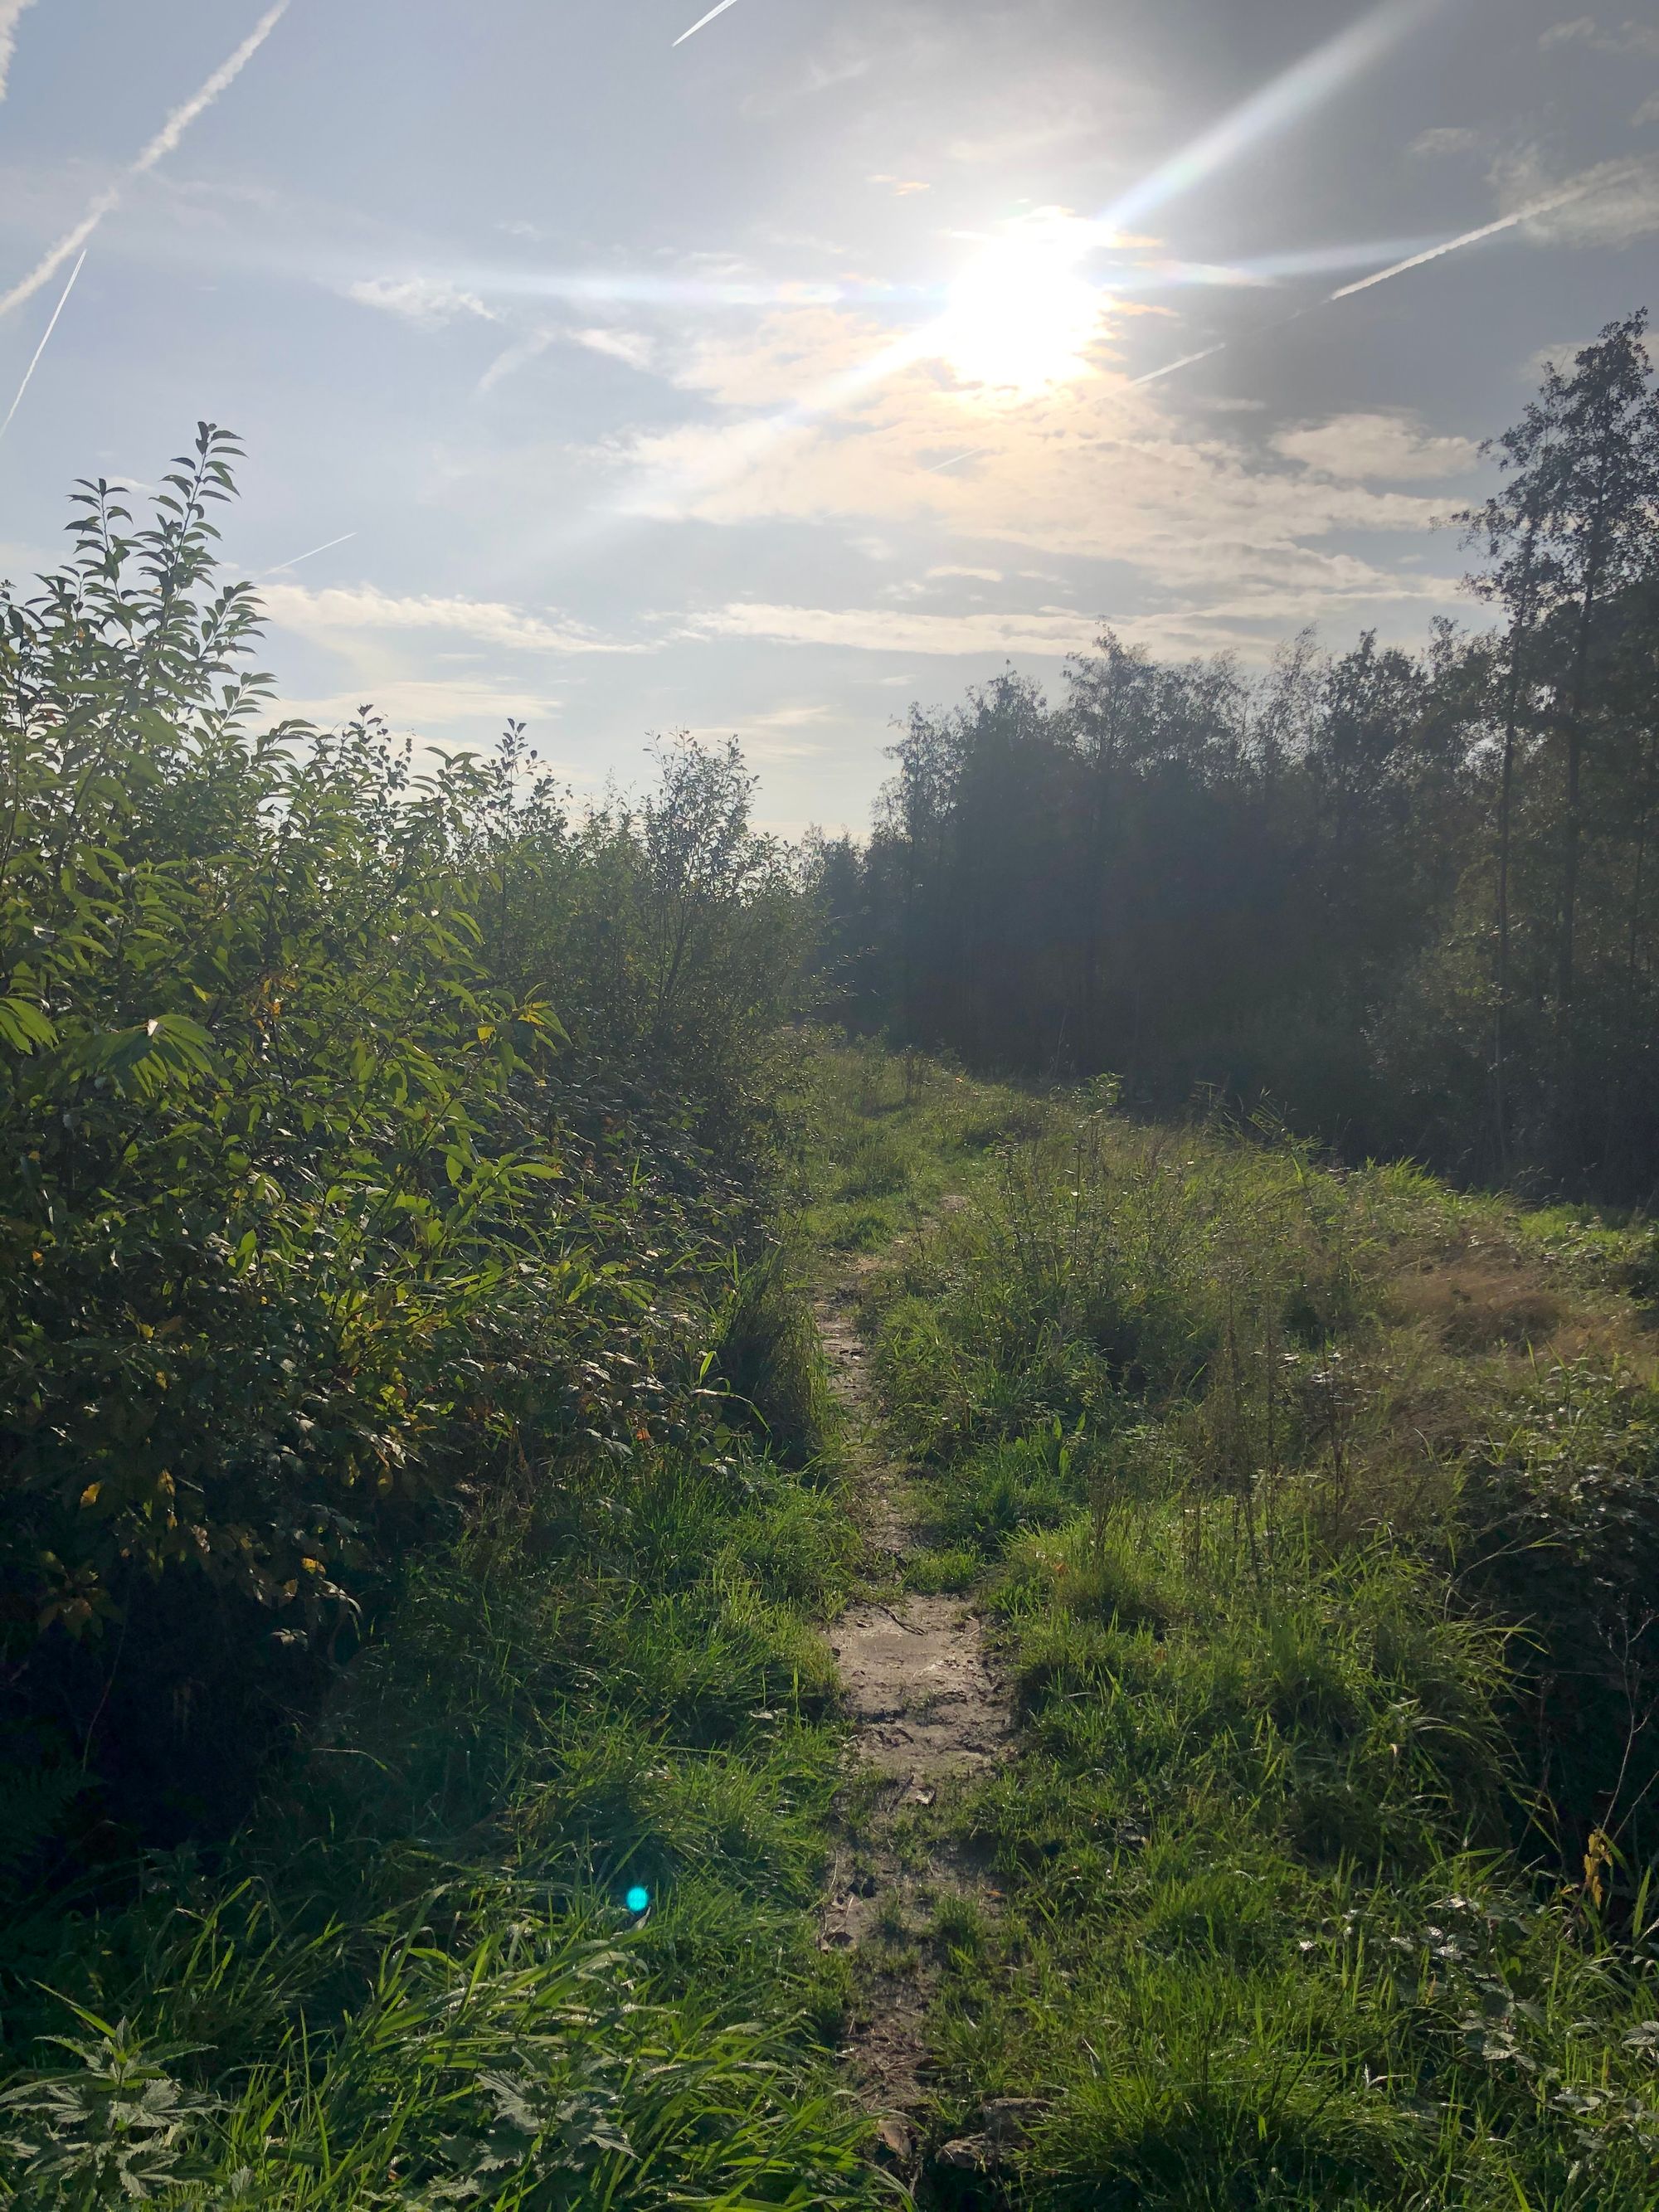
(1021, 317)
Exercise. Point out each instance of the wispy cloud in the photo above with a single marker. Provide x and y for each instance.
(518, 356)
(632, 347)
(1101, 471)
(163, 143)
(10, 10)
(429, 301)
(1448, 138)
(1051, 633)
(1613, 204)
(1628, 190)
(1370, 447)
(1627, 38)
(884, 630)
(347, 611)
(421, 704)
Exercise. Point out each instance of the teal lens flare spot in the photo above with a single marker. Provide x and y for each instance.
(637, 1899)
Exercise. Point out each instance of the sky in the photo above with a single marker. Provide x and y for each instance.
(765, 379)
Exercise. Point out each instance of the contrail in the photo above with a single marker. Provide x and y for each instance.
(702, 19)
(158, 148)
(1488, 230)
(326, 545)
(9, 12)
(1185, 361)
(35, 362)
(972, 453)
(1552, 200)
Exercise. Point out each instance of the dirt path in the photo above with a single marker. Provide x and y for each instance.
(927, 1711)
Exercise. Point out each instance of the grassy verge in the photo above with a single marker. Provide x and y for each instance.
(415, 1978)
(1315, 1515)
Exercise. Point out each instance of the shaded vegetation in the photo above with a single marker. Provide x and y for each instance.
(415, 1745)
(1408, 899)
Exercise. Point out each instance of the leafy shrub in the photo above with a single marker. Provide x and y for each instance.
(316, 1215)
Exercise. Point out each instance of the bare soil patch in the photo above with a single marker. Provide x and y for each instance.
(927, 1709)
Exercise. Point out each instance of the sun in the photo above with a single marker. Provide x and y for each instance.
(1021, 317)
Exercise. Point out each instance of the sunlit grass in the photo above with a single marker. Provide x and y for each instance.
(1224, 1441)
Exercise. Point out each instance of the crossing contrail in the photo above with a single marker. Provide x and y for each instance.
(159, 148)
(1544, 206)
(35, 359)
(9, 12)
(702, 19)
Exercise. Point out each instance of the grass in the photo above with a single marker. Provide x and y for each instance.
(413, 1978)
(1311, 1513)
(1312, 1517)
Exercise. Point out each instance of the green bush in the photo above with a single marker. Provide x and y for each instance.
(351, 1120)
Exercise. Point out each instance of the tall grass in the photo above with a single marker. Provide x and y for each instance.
(1308, 1507)
(414, 1978)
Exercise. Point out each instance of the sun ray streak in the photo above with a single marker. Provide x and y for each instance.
(1546, 205)
(1300, 89)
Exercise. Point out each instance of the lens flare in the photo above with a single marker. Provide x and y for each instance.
(637, 1899)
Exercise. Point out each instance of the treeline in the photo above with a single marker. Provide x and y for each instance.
(366, 1139)
(1407, 900)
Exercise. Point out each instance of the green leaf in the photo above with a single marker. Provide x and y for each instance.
(24, 1024)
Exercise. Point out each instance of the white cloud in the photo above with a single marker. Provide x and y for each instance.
(429, 301)
(1581, 29)
(425, 704)
(1367, 447)
(633, 347)
(977, 576)
(884, 630)
(1051, 634)
(1448, 138)
(1613, 204)
(515, 356)
(1649, 111)
(344, 612)
(1584, 30)
(1097, 470)
(9, 12)
(769, 736)
(630, 346)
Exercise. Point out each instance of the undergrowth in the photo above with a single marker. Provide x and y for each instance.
(421, 1974)
(418, 1486)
